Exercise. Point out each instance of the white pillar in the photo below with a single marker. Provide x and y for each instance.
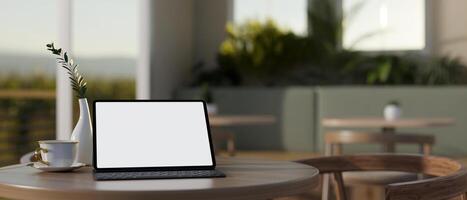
(230, 10)
(171, 45)
(210, 18)
(143, 70)
(64, 108)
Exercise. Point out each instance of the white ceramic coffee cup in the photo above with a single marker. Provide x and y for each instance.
(57, 153)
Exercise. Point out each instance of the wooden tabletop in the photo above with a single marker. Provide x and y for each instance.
(231, 120)
(246, 179)
(381, 122)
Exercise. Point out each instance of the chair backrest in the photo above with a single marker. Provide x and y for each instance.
(335, 140)
(450, 178)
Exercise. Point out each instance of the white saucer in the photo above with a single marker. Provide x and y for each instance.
(47, 168)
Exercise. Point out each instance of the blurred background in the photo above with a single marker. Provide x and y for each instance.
(297, 61)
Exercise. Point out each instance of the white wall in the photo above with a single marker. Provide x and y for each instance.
(450, 30)
(180, 33)
(171, 45)
(210, 17)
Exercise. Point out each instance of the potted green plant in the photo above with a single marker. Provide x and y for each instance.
(206, 95)
(83, 129)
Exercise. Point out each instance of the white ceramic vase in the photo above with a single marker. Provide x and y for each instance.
(83, 134)
(392, 112)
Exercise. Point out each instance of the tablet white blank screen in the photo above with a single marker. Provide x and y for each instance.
(151, 134)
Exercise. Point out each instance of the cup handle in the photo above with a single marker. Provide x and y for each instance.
(38, 157)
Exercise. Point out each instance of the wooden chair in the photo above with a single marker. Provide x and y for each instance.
(335, 140)
(450, 178)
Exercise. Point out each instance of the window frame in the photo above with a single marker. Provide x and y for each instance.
(64, 98)
(428, 49)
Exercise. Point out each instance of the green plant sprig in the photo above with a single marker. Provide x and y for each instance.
(77, 81)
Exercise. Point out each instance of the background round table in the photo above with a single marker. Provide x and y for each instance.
(355, 122)
(218, 122)
(233, 120)
(246, 179)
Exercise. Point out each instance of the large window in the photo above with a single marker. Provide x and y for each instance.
(26, 26)
(104, 42)
(380, 25)
(27, 76)
(105, 37)
(289, 14)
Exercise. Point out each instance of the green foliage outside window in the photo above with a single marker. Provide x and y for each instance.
(27, 120)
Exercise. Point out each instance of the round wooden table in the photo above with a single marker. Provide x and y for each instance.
(217, 122)
(387, 126)
(246, 179)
